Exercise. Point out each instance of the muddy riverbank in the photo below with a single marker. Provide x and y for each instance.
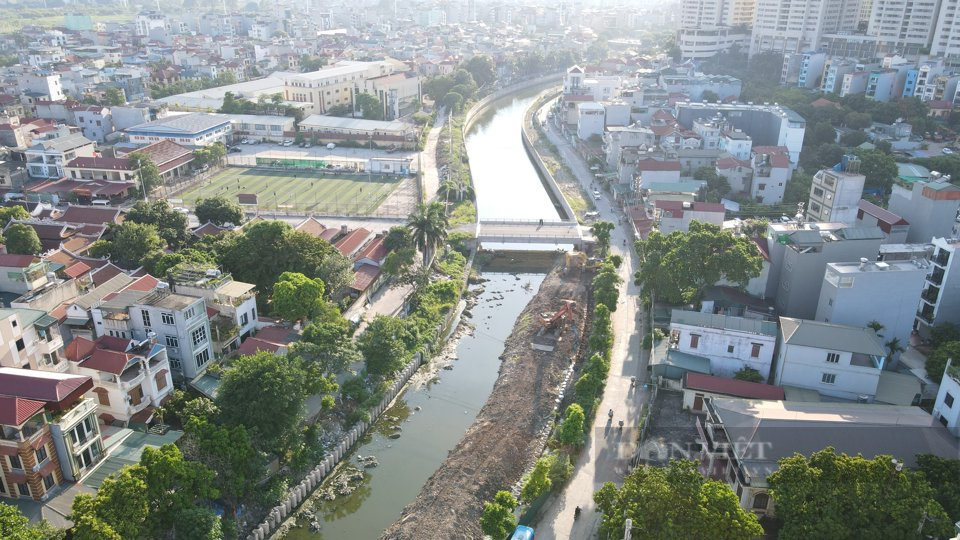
(501, 442)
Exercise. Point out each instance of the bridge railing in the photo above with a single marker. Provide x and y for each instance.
(552, 222)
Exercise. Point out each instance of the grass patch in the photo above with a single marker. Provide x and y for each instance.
(313, 191)
(463, 212)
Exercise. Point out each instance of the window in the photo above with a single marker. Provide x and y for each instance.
(102, 396)
(49, 482)
(175, 363)
(135, 395)
(167, 318)
(15, 463)
(161, 381)
(833, 357)
(188, 314)
(13, 322)
(761, 501)
(173, 341)
(244, 319)
(761, 187)
(948, 400)
(199, 336)
(755, 350)
(202, 358)
(729, 349)
(24, 489)
(41, 454)
(828, 378)
(20, 344)
(694, 341)
(146, 317)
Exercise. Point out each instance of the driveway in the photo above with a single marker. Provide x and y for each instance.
(607, 453)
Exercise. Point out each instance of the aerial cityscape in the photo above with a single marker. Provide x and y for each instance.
(479, 269)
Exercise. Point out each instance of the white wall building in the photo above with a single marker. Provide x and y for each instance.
(946, 408)
(590, 120)
(798, 26)
(835, 195)
(47, 158)
(930, 208)
(858, 293)
(731, 343)
(940, 300)
(835, 360)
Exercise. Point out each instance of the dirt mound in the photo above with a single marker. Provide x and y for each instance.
(501, 442)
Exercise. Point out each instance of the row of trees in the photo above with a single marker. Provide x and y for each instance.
(273, 105)
(191, 85)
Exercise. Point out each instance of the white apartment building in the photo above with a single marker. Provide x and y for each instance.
(771, 172)
(855, 294)
(940, 300)
(731, 343)
(47, 158)
(149, 22)
(706, 26)
(946, 35)
(41, 85)
(835, 360)
(946, 408)
(904, 25)
(767, 125)
(235, 302)
(95, 122)
(30, 339)
(835, 195)
(930, 208)
(130, 378)
(178, 322)
(590, 120)
(798, 26)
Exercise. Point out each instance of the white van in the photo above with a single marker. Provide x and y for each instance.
(331, 146)
(100, 202)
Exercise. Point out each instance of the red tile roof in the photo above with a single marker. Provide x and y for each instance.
(375, 251)
(108, 361)
(778, 156)
(106, 354)
(253, 345)
(676, 208)
(79, 348)
(730, 162)
(732, 387)
(761, 244)
(94, 215)
(8, 260)
(311, 226)
(364, 276)
(165, 152)
(350, 243)
(100, 163)
(58, 390)
(883, 215)
(329, 234)
(145, 284)
(15, 411)
(105, 273)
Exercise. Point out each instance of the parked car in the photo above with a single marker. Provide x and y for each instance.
(234, 149)
(596, 195)
(307, 145)
(947, 151)
(244, 141)
(331, 146)
(287, 143)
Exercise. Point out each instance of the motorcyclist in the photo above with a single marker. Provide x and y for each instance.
(576, 513)
(610, 414)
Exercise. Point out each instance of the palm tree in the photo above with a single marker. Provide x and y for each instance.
(601, 231)
(429, 227)
(894, 347)
(876, 326)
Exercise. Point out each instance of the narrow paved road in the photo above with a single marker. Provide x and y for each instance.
(428, 158)
(607, 453)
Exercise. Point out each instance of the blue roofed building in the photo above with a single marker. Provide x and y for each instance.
(192, 130)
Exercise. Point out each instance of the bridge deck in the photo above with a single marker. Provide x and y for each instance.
(530, 232)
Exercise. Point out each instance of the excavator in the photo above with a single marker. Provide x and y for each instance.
(550, 321)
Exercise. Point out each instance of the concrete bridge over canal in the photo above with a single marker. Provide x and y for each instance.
(517, 231)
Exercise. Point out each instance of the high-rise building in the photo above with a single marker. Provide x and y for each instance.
(708, 27)
(796, 26)
(903, 26)
(946, 36)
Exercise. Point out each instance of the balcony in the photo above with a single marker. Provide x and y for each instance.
(930, 295)
(936, 277)
(131, 378)
(942, 258)
(925, 316)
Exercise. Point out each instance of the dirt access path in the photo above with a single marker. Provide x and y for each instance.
(501, 443)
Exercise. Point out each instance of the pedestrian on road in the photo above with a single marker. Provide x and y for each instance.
(541, 222)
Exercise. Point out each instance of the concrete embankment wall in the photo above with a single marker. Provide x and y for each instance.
(549, 181)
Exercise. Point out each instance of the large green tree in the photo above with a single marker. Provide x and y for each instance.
(16, 526)
(571, 430)
(679, 266)
(606, 286)
(879, 168)
(12, 212)
(537, 482)
(266, 393)
(267, 249)
(369, 106)
(937, 360)
(674, 502)
(218, 210)
(482, 69)
(601, 231)
(22, 240)
(131, 243)
(830, 495)
(329, 344)
(147, 171)
(295, 296)
(386, 345)
(497, 520)
(942, 474)
(171, 225)
(229, 452)
(429, 225)
(121, 504)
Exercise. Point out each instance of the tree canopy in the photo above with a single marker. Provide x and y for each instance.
(329, 344)
(937, 360)
(130, 244)
(23, 240)
(219, 211)
(601, 231)
(147, 171)
(679, 266)
(16, 526)
(482, 69)
(428, 226)
(675, 502)
(386, 345)
(171, 225)
(8, 213)
(295, 296)
(498, 520)
(834, 495)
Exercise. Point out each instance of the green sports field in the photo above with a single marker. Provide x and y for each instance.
(308, 191)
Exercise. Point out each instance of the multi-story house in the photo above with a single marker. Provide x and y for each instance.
(177, 321)
(730, 343)
(835, 360)
(29, 338)
(930, 208)
(131, 379)
(22, 273)
(68, 429)
(893, 226)
(940, 300)
(677, 215)
(743, 440)
(799, 253)
(767, 125)
(234, 301)
(946, 409)
(886, 291)
(835, 194)
(47, 158)
(771, 172)
(95, 122)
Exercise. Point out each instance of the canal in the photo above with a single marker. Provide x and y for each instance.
(437, 408)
